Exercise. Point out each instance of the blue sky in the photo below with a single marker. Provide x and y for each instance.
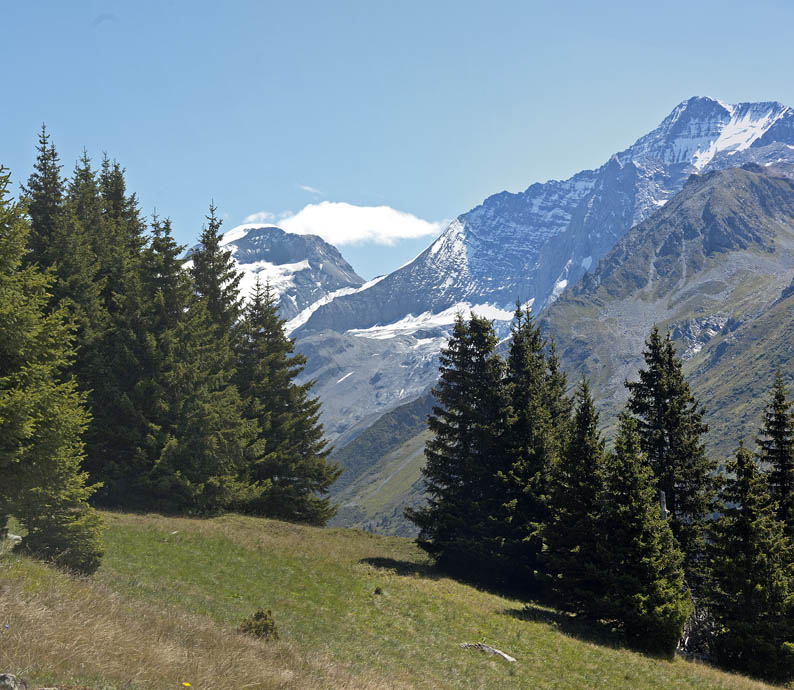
(422, 107)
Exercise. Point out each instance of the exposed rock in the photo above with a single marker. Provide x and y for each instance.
(11, 682)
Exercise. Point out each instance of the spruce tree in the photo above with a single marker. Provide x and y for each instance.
(572, 539)
(195, 451)
(670, 426)
(288, 457)
(751, 593)
(458, 525)
(216, 276)
(531, 447)
(44, 197)
(42, 416)
(776, 450)
(643, 581)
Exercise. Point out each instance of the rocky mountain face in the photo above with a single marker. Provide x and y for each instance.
(301, 269)
(710, 266)
(375, 346)
(715, 265)
(532, 245)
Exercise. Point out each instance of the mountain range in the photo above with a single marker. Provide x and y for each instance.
(688, 228)
(374, 346)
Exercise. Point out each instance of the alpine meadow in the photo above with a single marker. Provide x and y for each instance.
(275, 413)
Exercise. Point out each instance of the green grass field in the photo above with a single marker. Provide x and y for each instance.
(163, 610)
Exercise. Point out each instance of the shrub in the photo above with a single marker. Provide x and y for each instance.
(260, 625)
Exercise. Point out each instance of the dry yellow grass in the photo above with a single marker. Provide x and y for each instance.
(66, 630)
(163, 608)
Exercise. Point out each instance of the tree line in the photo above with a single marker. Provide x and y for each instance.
(138, 378)
(523, 494)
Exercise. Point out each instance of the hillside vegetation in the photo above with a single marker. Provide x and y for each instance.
(163, 610)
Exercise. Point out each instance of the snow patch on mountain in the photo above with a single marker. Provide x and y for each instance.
(410, 324)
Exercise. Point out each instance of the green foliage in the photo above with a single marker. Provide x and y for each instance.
(458, 526)
(534, 431)
(751, 593)
(42, 417)
(260, 625)
(43, 197)
(571, 535)
(776, 450)
(670, 427)
(642, 586)
(216, 277)
(288, 456)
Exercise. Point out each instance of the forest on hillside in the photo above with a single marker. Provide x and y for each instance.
(134, 378)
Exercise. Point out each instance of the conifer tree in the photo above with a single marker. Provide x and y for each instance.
(288, 458)
(458, 524)
(44, 197)
(643, 580)
(531, 447)
(216, 276)
(41, 413)
(196, 446)
(670, 426)
(751, 593)
(776, 450)
(572, 538)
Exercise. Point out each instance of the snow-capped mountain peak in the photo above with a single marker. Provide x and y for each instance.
(700, 128)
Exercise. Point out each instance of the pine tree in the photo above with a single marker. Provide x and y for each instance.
(289, 455)
(44, 197)
(571, 535)
(195, 454)
(643, 580)
(216, 276)
(115, 367)
(458, 524)
(751, 593)
(531, 447)
(42, 416)
(669, 422)
(776, 450)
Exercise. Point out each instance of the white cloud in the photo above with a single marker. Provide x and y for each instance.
(311, 190)
(260, 217)
(341, 223)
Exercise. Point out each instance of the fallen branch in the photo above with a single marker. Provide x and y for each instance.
(487, 649)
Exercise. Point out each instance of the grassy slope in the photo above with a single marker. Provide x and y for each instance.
(163, 607)
(377, 498)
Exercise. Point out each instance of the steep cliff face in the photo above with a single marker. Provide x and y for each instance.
(536, 243)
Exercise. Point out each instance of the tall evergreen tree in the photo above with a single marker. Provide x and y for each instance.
(670, 426)
(572, 539)
(751, 592)
(289, 455)
(44, 197)
(776, 450)
(643, 581)
(458, 526)
(196, 448)
(42, 416)
(531, 447)
(216, 276)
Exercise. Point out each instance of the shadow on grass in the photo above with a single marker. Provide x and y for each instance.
(568, 624)
(405, 568)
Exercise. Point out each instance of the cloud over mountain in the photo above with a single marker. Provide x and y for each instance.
(342, 224)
